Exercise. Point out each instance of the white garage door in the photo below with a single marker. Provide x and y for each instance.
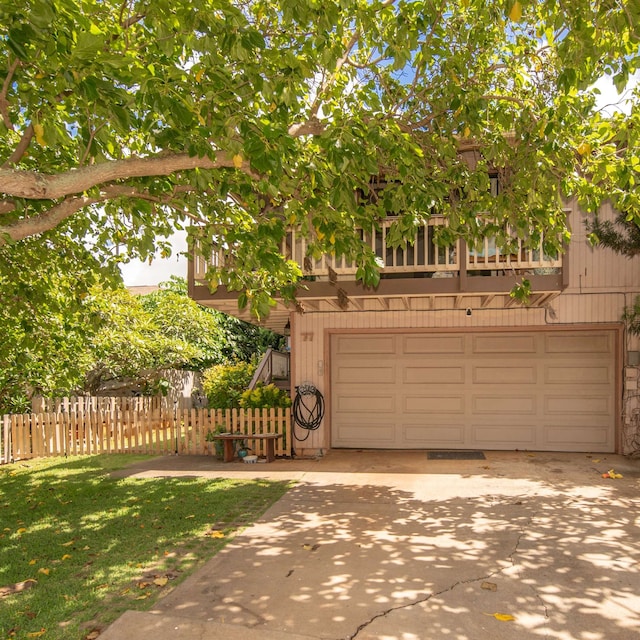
(545, 391)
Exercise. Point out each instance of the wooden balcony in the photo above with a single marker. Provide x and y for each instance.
(421, 275)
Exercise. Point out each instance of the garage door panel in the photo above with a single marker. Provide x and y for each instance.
(357, 433)
(539, 390)
(434, 404)
(369, 374)
(571, 374)
(434, 435)
(354, 403)
(578, 405)
(503, 404)
(514, 343)
(367, 345)
(504, 375)
(582, 344)
(424, 345)
(433, 374)
(497, 436)
(560, 436)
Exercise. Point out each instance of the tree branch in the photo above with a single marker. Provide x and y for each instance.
(25, 227)
(518, 101)
(4, 103)
(39, 186)
(312, 125)
(19, 151)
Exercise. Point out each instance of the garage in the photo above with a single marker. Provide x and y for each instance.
(536, 390)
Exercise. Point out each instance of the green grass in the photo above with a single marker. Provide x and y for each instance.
(96, 546)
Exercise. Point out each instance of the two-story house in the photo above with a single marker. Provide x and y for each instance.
(439, 355)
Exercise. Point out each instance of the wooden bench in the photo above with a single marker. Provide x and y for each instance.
(230, 438)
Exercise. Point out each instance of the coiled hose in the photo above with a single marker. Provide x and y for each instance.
(308, 410)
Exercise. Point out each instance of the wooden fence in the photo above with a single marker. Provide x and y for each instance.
(131, 431)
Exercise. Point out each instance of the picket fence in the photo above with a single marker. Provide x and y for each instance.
(160, 432)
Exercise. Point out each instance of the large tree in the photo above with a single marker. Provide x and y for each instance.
(122, 120)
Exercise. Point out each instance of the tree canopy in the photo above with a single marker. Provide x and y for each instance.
(122, 120)
(66, 331)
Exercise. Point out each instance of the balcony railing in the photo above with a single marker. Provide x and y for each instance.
(421, 256)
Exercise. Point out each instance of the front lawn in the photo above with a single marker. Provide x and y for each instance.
(78, 547)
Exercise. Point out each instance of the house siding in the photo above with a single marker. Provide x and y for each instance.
(600, 285)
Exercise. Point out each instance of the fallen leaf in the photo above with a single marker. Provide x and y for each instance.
(143, 596)
(215, 534)
(66, 556)
(37, 634)
(32, 562)
(503, 617)
(143, 585)
(44, 571)
(92, 635)
(68, 544)
(489, 586)
(21, 530)
(161, 582)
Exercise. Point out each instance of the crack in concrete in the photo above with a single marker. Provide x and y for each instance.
(408, 605)
(531, 587)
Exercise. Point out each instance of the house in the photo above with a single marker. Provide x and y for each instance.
(440, 356)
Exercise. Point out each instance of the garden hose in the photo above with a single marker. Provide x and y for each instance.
(308, 410)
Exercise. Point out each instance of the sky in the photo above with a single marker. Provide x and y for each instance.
(138, 273)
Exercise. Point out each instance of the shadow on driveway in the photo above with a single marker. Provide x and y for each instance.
(390, 546)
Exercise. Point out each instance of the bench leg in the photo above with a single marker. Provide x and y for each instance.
(228, 450)
(271, 449)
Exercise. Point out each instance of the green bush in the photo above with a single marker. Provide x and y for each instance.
(265, 396)
(224, 384)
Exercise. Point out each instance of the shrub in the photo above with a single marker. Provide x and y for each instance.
(223, 384)
(265, 396)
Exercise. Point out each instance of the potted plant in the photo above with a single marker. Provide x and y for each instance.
(241, 447)
(213, 444)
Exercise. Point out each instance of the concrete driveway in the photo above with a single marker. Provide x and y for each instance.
(393, 546)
